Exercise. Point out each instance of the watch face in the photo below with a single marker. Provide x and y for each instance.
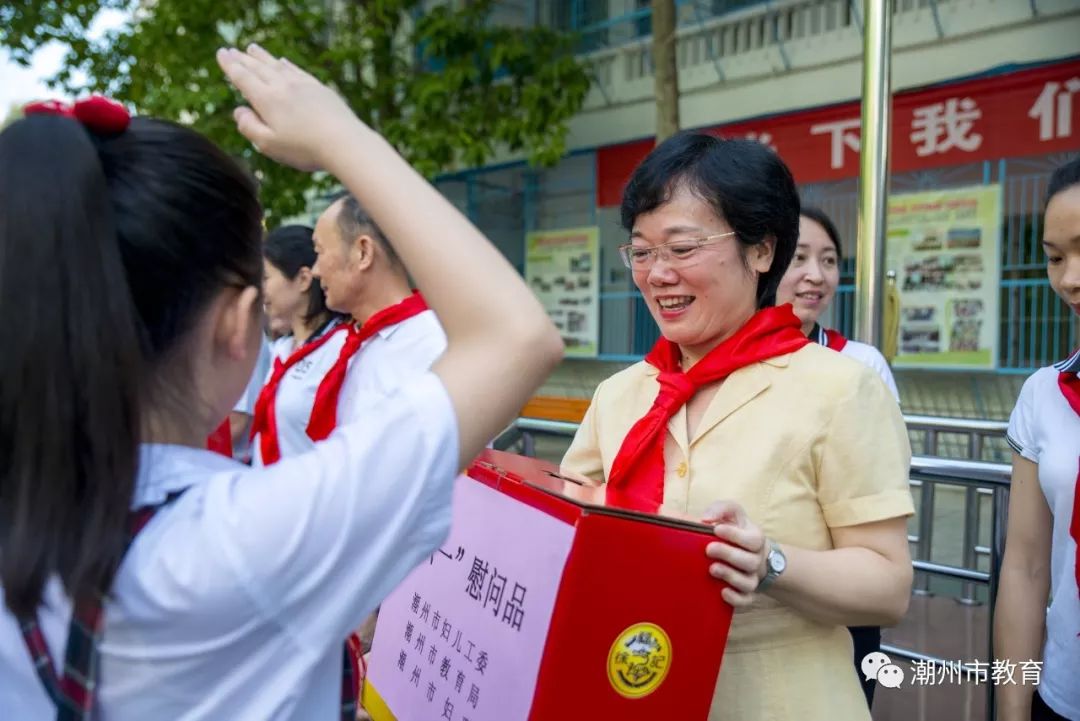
(777, 562)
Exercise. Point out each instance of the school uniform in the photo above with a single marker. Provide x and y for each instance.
(392, 356)
(1045, 429)
(866, 354)
(233, 601)
(294, 392)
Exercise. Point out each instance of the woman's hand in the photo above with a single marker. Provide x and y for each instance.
(293, 118)
(740, 552)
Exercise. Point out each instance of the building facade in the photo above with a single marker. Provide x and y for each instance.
(986, 92)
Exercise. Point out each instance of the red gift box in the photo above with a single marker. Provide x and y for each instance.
(623, 622)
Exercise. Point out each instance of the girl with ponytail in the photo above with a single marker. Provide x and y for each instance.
(142, 575)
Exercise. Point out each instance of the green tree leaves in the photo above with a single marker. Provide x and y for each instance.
(448, 88)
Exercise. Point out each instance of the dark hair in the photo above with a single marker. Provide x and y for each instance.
(818, 216)
(1063, 178)
(290, 248)
(353, 221)
(110, 247)
(745, 183)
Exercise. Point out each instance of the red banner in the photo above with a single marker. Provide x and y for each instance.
(1027, 112)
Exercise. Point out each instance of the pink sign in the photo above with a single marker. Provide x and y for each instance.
(462, 637)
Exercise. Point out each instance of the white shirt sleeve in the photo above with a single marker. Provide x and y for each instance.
(879, 364)
(872, 357)
(319, 539)
(1021, 432)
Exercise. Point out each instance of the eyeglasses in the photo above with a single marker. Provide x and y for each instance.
(678, 253)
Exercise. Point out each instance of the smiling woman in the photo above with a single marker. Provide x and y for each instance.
(810, 286)
(797, 455)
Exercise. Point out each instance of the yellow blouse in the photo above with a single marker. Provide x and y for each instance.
(806, 442)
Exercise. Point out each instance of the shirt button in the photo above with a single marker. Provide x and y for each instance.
(681, 470)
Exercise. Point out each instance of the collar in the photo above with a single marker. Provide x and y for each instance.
(166, 468)
(780, 361)
(389, 330)
(817, 335)
(1070, 364)
(329, 326)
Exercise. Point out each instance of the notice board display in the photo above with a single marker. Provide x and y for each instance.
(945, 248)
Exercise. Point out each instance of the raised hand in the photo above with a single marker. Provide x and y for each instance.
(292, 118)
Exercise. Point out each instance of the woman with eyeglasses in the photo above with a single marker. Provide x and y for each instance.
(797, 455)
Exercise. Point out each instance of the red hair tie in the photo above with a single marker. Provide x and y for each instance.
(97, 113)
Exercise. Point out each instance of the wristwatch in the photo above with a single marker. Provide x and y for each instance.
(775, 563)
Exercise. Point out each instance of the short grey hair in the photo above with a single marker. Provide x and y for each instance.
(354, 221)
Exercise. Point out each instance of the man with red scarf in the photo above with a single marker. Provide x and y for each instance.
(394, 336)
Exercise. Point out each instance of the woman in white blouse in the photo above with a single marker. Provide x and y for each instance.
(293, 298)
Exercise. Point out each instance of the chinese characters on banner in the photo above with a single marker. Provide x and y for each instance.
(944, 246)
(473, 653)
(1028, 112)
(562, 268)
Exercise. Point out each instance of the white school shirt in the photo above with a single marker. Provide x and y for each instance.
(1044, 429)
(296, 392)
(866, 354)
(389, 358)
(235, 600)
(246, 404)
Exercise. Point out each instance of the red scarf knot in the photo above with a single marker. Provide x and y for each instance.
(324, 413)
(264, 421)
(638, 468)
(675, 390)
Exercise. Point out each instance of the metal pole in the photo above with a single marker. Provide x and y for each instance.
(999, 522)
(873, 170)
(971, 524)
(971, 539)
(923, 552)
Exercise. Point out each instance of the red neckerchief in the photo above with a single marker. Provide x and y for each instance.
(220, 441)
(324, 413)
(835, 340)
(264, 422)
(831, 339)
(1070, 388)
(638, 469)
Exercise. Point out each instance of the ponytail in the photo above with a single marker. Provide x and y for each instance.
(71, 369)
